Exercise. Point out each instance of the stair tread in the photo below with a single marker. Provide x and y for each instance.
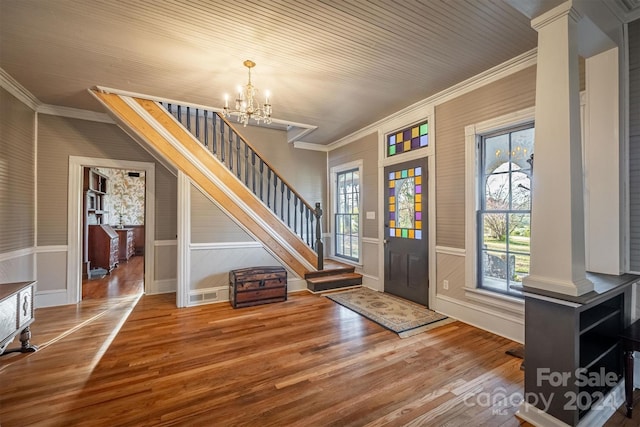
(331, 267)
(334, 277)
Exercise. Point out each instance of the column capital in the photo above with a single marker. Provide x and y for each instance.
(565, 9)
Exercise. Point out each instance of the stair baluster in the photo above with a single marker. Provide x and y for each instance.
(238, 171)
(253, 170)
(319, 245)
(222, 150)
(230, 161)
(307, 221)
(206, 128)
(288, 207)
(282, 200)
(295, 214)
(246, 165)
(261, 177)
(268, 187)
(275, 193)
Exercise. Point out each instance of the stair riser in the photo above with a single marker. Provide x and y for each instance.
(326, 286)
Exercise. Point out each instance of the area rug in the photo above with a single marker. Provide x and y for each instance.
(398, 315)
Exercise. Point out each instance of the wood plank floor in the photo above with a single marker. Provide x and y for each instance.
(126, 279)
(139, 361)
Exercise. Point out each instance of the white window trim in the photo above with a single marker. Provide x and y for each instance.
(356, 164)
(472, 134)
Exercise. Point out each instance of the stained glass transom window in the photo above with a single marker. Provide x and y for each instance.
(405, 203)
(411, 138)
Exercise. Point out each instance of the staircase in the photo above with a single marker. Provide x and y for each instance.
(211, 152)
(334, 276)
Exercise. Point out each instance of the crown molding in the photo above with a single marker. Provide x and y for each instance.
(74, 113)
(491, 75)
(12, 86)
(565, 9)
(625, 10)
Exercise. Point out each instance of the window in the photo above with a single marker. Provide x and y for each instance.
(505, 166)
(347, 214)
(411, 138)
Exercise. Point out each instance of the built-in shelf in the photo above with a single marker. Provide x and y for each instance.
(577, 338)
(593, 351)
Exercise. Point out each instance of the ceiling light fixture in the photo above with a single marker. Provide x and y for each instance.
(246, 107)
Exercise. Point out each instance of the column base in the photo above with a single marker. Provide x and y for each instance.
(573, 288)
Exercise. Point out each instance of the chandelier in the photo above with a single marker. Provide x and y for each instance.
(247, 107)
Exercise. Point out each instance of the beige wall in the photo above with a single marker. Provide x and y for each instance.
(366, 150)
(512, 93)
(17, 160)
(61, 137)
(209, 224)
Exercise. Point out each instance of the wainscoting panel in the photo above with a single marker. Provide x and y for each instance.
(17, 266)
(210, 264)
(166, 269)
(481, 311)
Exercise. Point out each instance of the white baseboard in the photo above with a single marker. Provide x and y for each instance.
(50, 298)
(296, 285)
(162, 287)
(495, 322)
(596, 417)
(538, 417)
(372, 282)
(600, 413)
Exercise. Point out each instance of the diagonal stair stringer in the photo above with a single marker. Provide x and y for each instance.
(161, 131)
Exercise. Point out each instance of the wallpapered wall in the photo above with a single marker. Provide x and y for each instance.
(125, 197)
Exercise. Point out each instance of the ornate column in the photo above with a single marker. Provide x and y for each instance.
(557, 217)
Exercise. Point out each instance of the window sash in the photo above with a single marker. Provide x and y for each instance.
(347, 218)
(497, 266)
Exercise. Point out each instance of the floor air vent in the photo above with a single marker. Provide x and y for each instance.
(206, 296)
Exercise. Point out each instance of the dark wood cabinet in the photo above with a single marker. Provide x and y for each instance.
(126, 246)
(573, 351)
(95, 187)
(138, 239)
(103, 246)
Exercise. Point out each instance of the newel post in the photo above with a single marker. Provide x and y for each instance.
(319, 244)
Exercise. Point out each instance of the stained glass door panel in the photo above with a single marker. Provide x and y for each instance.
(405, 241)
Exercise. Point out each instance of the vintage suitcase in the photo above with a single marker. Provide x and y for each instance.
(257, 285)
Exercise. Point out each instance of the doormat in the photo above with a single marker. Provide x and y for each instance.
(398, 315)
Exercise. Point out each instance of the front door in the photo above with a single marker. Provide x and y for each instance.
(406, 266)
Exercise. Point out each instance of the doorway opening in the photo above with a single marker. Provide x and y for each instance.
(112, 232)
(79, 264)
